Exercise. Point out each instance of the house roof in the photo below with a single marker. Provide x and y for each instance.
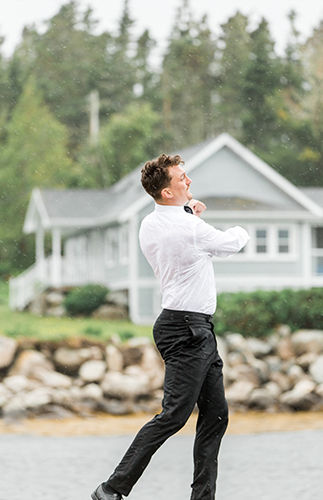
(76, 209)
(315, 193)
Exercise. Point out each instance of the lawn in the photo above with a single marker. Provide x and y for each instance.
(23, 324)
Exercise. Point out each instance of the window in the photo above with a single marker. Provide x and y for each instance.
(318, 237)
(261, 240)
(112, 246)
(283, 241)
(124, 245)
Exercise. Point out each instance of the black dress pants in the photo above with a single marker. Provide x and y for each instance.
(193, 375)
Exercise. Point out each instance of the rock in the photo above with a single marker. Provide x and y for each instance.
(110, 311)
(92, 391)
(274, 363)
(239, 392)
(38, 305)
(15, 407)
(236, 342)
(38, 397)
(285, 349)
(5, 395)
(151, 363)
(54, 379)
(319, 390)
(261, 369)
(8, 348)
(300, 397)
(138, 341)
(306, 359)
(245, 373)
(72, 359)
(258, 347)
(117, 407)
(28, 363)
(127, 385)
(282, 380)
(273, 389)
(55, 299)
(283, 330)
(17, 383)
(295, 374)
(308, 341)
(261, 398)
(56, 311)
(92, 371)
(235, 358)
(114, 358)
(316, 370)
(119, 297)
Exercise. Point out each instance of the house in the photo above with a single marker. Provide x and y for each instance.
(95, 232)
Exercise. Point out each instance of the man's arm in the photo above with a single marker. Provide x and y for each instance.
(197, 206)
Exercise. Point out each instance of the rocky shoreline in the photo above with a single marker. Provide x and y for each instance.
(82, 378)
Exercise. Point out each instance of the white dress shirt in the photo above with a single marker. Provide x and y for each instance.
(179, 247)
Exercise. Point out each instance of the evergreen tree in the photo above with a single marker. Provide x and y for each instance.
(187, 80)
(259, 89)
(233, 54)
(34, 154)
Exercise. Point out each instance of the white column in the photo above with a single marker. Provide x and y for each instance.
(56, 264)
(40, 253)
(133, 270)
(306, 246)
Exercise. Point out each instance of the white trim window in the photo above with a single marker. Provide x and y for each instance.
(276, 242)
(111, 246)
(261, 240)
(124, 245)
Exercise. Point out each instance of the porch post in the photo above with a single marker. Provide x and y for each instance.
(40, 253)
(307, 254)
(56, 264)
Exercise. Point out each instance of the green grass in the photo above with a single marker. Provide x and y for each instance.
(23, 324)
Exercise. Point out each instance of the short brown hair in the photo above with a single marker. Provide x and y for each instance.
(155, 174)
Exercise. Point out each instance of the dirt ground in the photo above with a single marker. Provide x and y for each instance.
(240, 423)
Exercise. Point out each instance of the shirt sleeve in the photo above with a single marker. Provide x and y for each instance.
(220, 243)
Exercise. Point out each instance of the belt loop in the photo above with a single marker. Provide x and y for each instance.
(186, 318)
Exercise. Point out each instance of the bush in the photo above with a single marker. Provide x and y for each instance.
(84, 300)
(257, 313)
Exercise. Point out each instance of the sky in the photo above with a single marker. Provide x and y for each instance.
(159, 15)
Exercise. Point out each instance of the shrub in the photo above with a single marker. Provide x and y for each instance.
(257, 313)
(84, 300)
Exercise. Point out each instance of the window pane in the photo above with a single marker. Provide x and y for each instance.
(261, 240)
(283, 241)
(318, 237)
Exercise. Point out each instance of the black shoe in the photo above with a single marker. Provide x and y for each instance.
(100, 494)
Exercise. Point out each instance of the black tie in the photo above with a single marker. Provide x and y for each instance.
(188, 209)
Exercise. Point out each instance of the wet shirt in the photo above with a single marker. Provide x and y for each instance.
(179, 247)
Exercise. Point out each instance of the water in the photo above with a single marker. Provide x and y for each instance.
(272, 466)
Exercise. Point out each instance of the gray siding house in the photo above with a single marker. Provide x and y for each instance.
(95, 232)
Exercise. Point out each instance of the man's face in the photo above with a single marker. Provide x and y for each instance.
(179, 187)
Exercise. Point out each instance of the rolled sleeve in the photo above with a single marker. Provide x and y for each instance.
(220, 243)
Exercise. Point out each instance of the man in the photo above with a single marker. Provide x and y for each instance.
(179, 246)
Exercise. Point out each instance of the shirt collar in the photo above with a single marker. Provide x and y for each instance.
(169, 208)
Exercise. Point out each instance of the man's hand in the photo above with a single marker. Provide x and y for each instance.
(197, 206)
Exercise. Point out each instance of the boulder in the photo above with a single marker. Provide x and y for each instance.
(5, 395)
(295, 373)
(319, 390)
(235, 358)
(245, 373)
(114, 358)
(273, 389)
(261, 398)
(92, 371)
(239, 392)
(29, 362)
(56, 311)
(306, 359)
(71, 359)
(92, 391)
(285, 349)
(316, 370)
(151, 363)
(300, 397)
(54, 379)
(258, 347)
(38, 397)
(55, 299)
(17, 383)
(8, 348)
(126, 385)
(308, 341)
(282, 380)
(110, 311)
